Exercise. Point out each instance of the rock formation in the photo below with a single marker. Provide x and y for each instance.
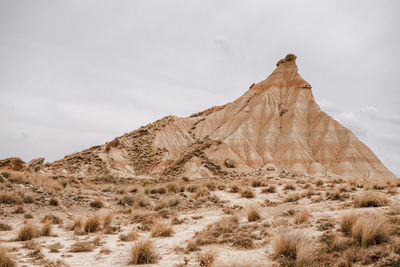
(275, 126)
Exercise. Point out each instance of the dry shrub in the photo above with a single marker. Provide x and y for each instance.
(46, 229)
(55, 247)
(248, 193)
(54, 263)
(19, 210)
(207, 258)
(319, 183)
(201, 192)
(108, 219)
(54, 202)
(28, 232)
(52, 218)
(234, 188)
(162, 230)
(253, 214)
(340, 243)
(269, 189)
(256, 183)
(41, 180)
(370, 230)
(167, 203)
(289, 187)
(5, 227)
(347, 222)
(224, 227)
(129, 237)
(77, 226)
(9, 198)
(145, 218)
(292, 247)
(92, 224)
(5, 260)
(370, 199)
(143, 253)
(97, 204)
(28, 199)
(82, 246)
(301, 216)
(292, 197)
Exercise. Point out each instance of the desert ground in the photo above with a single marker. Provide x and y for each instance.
(284, 219)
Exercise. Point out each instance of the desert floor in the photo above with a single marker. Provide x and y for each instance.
(278, 220)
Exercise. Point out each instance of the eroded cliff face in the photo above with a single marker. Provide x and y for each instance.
(276, 125)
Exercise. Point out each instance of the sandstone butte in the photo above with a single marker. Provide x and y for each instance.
(276, 126)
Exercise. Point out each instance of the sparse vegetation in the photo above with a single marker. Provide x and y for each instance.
(92, 224)
(292, 197)
(28, 232)
(9, 198)
(97, 203)
(143, 252)
(5, 227)
(301, 217)
(81, 246)
(291, 249)
(51, 218)
(253, 215)
(54, 202)
(5, 259)
(162, 230)
(248, 193)
(370, 230)
(370, 199)
(129, 237)
(207, 258)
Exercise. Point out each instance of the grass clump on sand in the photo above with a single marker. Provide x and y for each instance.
(143, 252)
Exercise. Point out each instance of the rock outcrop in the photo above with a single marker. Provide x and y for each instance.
(276, 125)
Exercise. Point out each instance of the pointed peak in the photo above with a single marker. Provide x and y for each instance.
(288, 58)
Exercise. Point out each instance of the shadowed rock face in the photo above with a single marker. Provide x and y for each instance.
(276, 125)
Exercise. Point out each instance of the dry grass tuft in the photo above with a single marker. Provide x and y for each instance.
(52, 218)
(248, 193)
(370, 199)
(129, 237)
(9, 198)
(253, 214)
(77, 226)
(289, 186)
(301, 216)
(55, 248)
(92, 224)
(97, 204)
(207, 258)
(143, 253)
(82, 246)
(234, 188)
(269, 189)
(108, 219)
(28, 232)
(46, 229)
(54, 202)
(292, 197)
(370, 230)
(292, 249)
(162, 230)
(5, 227)
(347, 222)
(5, 260)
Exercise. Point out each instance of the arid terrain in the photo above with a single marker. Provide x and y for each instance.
(266, 180)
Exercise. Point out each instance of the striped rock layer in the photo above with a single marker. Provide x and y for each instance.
(276, 125)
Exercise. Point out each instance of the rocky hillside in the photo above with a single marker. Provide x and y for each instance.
(275, 126)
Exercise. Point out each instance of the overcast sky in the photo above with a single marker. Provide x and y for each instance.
(78, 73)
